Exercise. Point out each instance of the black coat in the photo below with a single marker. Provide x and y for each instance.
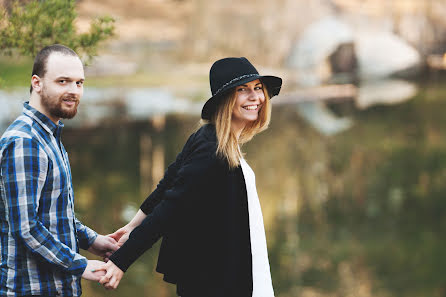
(200, 209)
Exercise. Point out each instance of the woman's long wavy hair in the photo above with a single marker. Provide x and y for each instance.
(228, 146)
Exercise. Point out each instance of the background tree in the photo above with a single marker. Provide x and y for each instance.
(28, 26)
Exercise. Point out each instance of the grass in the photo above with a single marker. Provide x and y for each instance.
(14, 72)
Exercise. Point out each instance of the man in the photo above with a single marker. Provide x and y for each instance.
(39, 233)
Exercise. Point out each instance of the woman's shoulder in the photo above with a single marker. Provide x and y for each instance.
(201, 150)
(207, 133)
(204, 136)
(204, 140)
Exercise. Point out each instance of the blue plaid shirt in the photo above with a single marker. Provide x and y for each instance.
(40, 235)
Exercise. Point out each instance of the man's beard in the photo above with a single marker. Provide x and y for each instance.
(54, 106)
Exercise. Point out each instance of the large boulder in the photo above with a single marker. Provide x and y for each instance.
(330, 46)
(319, 41)
(381, 54)
(343, 59)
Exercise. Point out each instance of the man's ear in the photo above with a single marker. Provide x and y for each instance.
(36, 83)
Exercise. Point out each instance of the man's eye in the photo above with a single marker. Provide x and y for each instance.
(62, 81)
(80, 83)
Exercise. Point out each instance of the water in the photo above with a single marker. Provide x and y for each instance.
(360, 212)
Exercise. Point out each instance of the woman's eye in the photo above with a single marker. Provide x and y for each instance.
(62, 81)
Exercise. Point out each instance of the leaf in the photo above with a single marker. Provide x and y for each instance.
(29, 27)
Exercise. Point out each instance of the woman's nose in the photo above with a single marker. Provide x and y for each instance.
(254, 95)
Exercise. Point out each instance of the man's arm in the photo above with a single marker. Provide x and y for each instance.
(24, 167)
(85, 235)
(97, 244)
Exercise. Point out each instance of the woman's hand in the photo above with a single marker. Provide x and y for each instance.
(112, 277)
(121, 235)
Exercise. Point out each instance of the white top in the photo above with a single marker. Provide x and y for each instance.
(261, 274)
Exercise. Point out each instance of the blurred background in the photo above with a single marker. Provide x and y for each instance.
(351, 174)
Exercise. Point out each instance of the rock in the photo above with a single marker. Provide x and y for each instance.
(322, 119)
(381, 54)
(390, 91)
(331, 46)
(343, 59)
(319, 41)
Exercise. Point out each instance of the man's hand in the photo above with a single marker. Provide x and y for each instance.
(94, 271)
(112, 276)
(103, 246)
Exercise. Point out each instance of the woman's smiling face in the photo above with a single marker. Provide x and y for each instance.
(249, 100)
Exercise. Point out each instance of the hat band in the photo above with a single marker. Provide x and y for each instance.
(233, 80)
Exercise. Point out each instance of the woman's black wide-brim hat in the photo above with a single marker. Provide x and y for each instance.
(227, 73)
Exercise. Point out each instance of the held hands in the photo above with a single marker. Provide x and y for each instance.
(94, 270)
(107, 274)
(103, 246)
(112, 275)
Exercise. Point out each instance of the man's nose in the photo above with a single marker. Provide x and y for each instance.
(75, 88)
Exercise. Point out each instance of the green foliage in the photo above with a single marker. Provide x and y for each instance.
(27, 28)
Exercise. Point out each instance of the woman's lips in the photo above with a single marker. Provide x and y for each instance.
(251, 107)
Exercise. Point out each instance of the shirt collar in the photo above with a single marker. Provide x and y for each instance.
(42, 119)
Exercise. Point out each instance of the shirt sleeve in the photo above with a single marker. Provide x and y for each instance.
(24, 167)
(197, 170)
(85, 235)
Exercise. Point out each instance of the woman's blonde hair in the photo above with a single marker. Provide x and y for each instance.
(228, 146)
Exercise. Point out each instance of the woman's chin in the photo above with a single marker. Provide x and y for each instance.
(252, 119)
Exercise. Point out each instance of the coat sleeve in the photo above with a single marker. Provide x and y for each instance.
(197, 171)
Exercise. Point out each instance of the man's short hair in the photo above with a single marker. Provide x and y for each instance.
(39, 67)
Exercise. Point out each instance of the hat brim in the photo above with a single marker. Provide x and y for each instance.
(273, 85)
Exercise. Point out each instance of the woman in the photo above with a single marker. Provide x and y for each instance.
(206, 207)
